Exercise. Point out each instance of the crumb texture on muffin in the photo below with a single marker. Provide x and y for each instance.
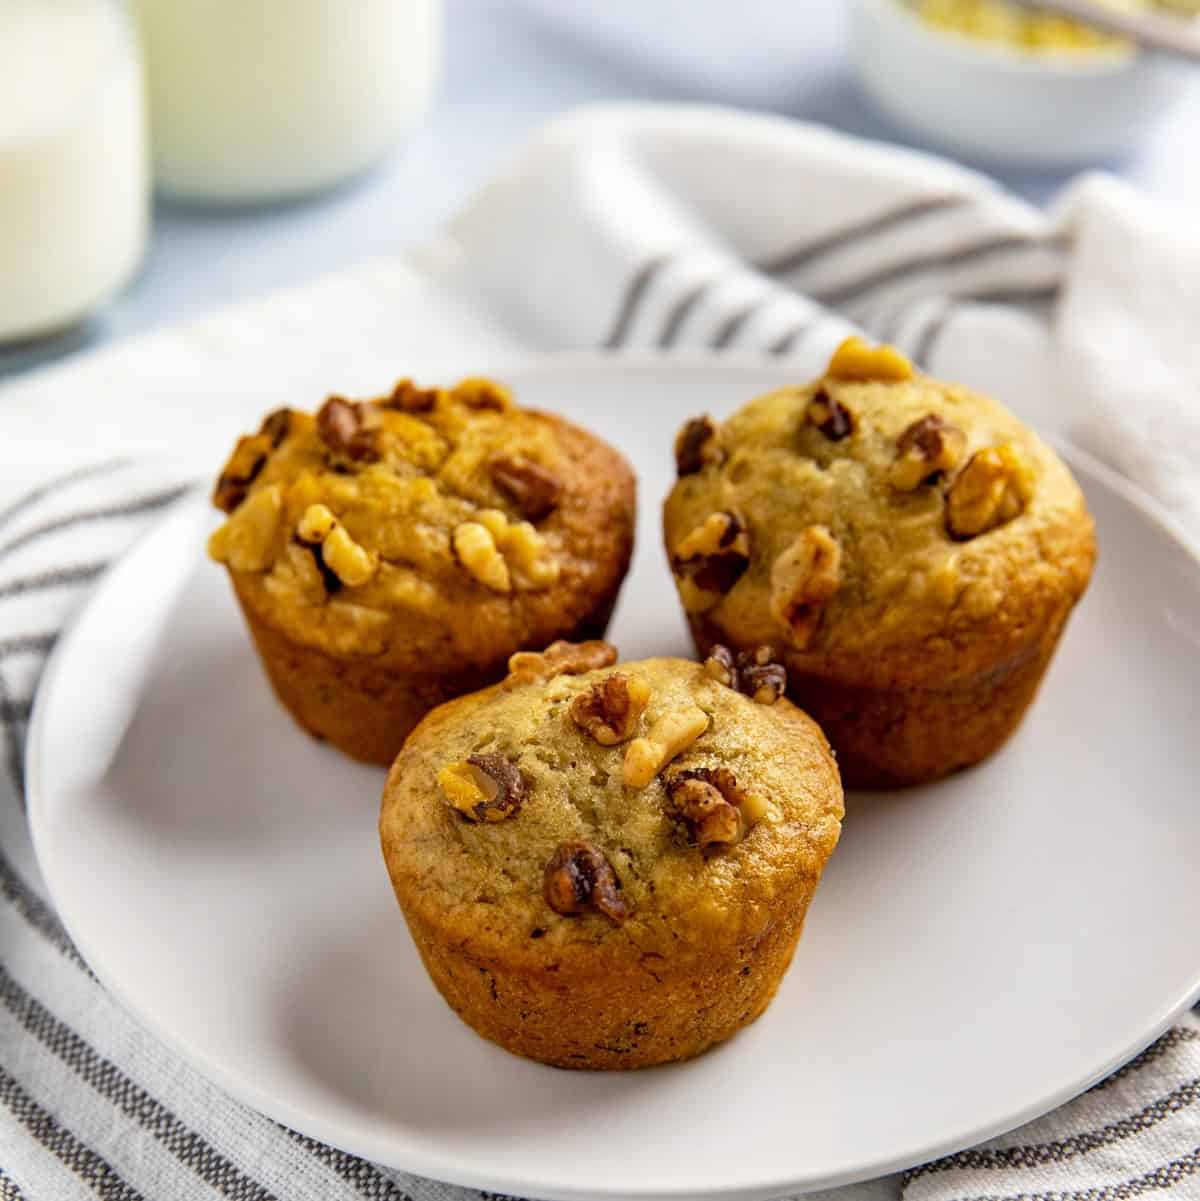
(431, 529)
(613, 917)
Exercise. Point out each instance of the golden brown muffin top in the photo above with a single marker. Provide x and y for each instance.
(645, 804)
(875, 519)
(418, 505)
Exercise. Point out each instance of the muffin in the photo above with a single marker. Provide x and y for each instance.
(910, 549)
(391, 554)
(609, 867)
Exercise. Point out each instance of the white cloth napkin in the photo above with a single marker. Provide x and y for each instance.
(631, 228)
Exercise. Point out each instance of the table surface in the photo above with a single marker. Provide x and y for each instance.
(508, 66)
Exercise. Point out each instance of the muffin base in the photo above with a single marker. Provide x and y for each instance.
(361, 706)
(897, 737)
(604, 1013)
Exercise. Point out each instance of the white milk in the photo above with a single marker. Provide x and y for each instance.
(73, 178)
(254, 100)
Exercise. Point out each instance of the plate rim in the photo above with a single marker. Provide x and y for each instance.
(440, 1168)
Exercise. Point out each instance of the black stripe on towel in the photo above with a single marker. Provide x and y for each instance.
(57, 484)
(918, 264)
(1033, 1155)
(363, 1175)
(92, 1169)
(133, 1101)
(802, 256)
(12, 715)
(681, 310)
(27, 644)
(733, 325)
(8, 1188)
(36, 912)
(128, 508)
(636, 289)
(60, 577)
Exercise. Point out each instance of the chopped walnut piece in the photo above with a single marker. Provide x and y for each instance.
(830, 416)
(720, 666)
(928, 449)
(992, 489)
(803, 578)
(353, 564)
(343, 427)
(475, 547)
(479, 393)
(246, 542)
(713, 807)
(610, 709)
(276, 426)
(754, 673)
(243, 468)
(534, 490)
(668, 737)
(858, 361)
(408, 398)
(335, 552)
(579, 877)
(710, 560)
(696, 446)
(760, 677)
(559, 659)
(316, 523)
(483, 788)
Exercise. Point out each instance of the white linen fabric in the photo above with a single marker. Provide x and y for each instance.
(620, 228)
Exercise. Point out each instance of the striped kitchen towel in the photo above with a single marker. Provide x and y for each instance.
(626, 228)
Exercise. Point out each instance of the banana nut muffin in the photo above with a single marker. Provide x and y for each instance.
(909, 547)
(391, 554)
(609, 867)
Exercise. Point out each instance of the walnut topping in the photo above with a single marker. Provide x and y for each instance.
(712, 806)
(247, 461)
(830, 416)
(247, 540)
(720, 666)
(610, 709)
(483, 788)
(533, 489)
(579, 877)
(669, 736)
(858, 361)
(276, 426)
(336, 553)
(479, 393)
(710, 560)
(755, 673)
(501, 554)
(476, 550)
(559, 659)
(928, 449)
(408, 398)
(760, 677)
(993, 488)
(344, 428)
(696, 446)
(315, 524)
(803, 578)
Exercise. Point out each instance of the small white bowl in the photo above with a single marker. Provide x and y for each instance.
(994, 102)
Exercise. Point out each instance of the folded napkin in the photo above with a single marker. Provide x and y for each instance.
(632, 229)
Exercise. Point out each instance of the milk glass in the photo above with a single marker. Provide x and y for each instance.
(258, 100)
(73, 161)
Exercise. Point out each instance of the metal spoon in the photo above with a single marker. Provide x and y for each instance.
(1151, 31)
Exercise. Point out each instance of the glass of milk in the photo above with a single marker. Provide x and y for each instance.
(74, 184)
(260, 100)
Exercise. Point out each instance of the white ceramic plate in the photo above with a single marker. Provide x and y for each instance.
(978, 952)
